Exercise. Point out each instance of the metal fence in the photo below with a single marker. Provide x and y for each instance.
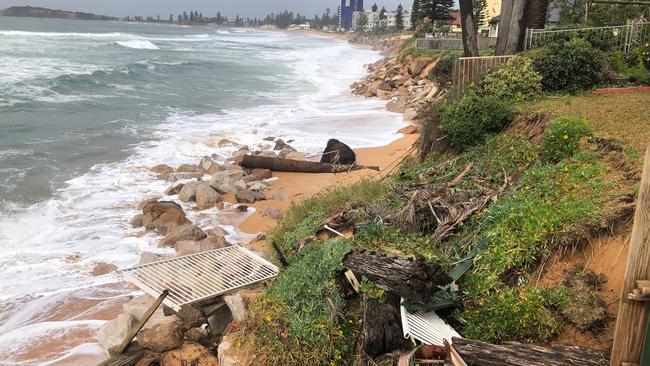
(467, 70)
(615, 38)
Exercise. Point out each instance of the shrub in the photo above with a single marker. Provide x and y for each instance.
(635, 65)
(562, 138)
(515, 80)
(441, 73)
(468, 121)
(572, 65)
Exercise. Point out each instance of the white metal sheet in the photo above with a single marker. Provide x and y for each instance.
(427, 328)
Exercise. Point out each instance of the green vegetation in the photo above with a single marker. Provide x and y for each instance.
(292, 321)
(516, 80)
(635, 65)
(441, 72)
(468, 121)
(562, 138)
(570, 65)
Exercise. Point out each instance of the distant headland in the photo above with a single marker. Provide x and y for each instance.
(36, 12)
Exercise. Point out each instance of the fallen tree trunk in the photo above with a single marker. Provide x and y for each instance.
(299, 166)
(516, 354)
(382, 327)
(413, 279)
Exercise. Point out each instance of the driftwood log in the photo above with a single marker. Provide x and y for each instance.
(414, 279)
(477, 353)
(299, 166)
(382, 327)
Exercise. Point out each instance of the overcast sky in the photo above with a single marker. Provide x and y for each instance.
(252, 8)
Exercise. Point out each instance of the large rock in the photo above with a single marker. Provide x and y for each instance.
(163, 216)
(209, 165)
(190, 354)
(162, 170)
(102, 268)
(174, 189)
(136, 221)
(262, 174)
(113, 332)
(410, 114)
(191, 317)
(294, 155)
(206, 196)
(162, 337)
(225, 351)
(188, 168)
(188, 192)
(187, 247)
(281, 145)
(417, 65)
(186, 232)
(237, 306)
(249, 196)
(337, 152)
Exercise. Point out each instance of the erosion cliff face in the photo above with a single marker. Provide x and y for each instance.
(35, 12)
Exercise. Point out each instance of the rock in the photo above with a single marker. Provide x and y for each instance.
(226, 142)
(188, 168)
(226, 354)
(199, 335)
(102, 268)
(262, 174)
(242, 208)
(214, 242)
(249, 197)
(279, 196)
(163, 216)
(186, 232)
(188, 192)
(163, 171)
(269, 138)
(136, 221)
(410, 114)
(174, 177)
(425, 72)
(187, 247)
(272, 212)
(236, 305)
(217, 231)
(206, 196)
(257, 186)
(408, 130)
(345, 154)
(384, 94)
(281, 145)
(294, 155)
(174, 190)
(145, 201)
(190, 354)
(209, 165)
(191, 317)
(161, 337)
(112, 333)
(150, 359)
(377, 85)
(148, 257)
(416, 66)
(240, 185)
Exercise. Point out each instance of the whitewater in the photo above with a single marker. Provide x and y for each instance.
(86, 108)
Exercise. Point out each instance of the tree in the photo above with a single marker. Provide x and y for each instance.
(439, 11)
(362, 22)
(415, 14)
(399, 18)
(374, 7)
(479, 12)
(470, 45)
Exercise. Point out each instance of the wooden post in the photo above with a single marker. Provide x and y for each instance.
(633, 315)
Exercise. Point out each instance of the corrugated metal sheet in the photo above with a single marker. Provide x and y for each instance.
(201, 276)
(427, 328)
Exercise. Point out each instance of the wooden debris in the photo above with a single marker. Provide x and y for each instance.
(478, 353)
(382, 328)
(123, 360)
(414, 279)
(301, 166)
(641, 292)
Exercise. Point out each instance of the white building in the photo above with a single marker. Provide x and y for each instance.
(373, 22)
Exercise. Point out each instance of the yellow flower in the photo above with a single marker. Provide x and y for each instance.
(332, 363)
(268, 318)
(566, 137)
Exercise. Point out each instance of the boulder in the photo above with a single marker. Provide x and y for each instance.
(187, 247)
(337, 152)
(163, 216)
(226, 142)
(408, 130)
(272, 212)
(188, 168)
(161, 337)
(269, 138)
(384, 94)
(257, 186)
(102, 268)
(262, 174)
(148, 257)
(111, 334)
(162, 170)
(209, 165)
(213, 242)
(198, 335)
(249, 196)
(186, 232)
(281, 145)
(136, 221)
(190, 354)
(237, 306)
(226, 353)
(188, 192)
(206, 196)
(377, 85)
(191, 317)
(174, 189)
(410, 114)
(416, 66)
(145, 201)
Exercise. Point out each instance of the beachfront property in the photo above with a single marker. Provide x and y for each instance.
(373, 22)
(346, 12)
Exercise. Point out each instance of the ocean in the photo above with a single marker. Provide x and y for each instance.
(86, 108)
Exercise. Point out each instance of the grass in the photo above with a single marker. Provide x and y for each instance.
(619, 116)
(292, 322)
(416, 52)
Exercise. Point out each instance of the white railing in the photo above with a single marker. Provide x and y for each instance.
(614, 38)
